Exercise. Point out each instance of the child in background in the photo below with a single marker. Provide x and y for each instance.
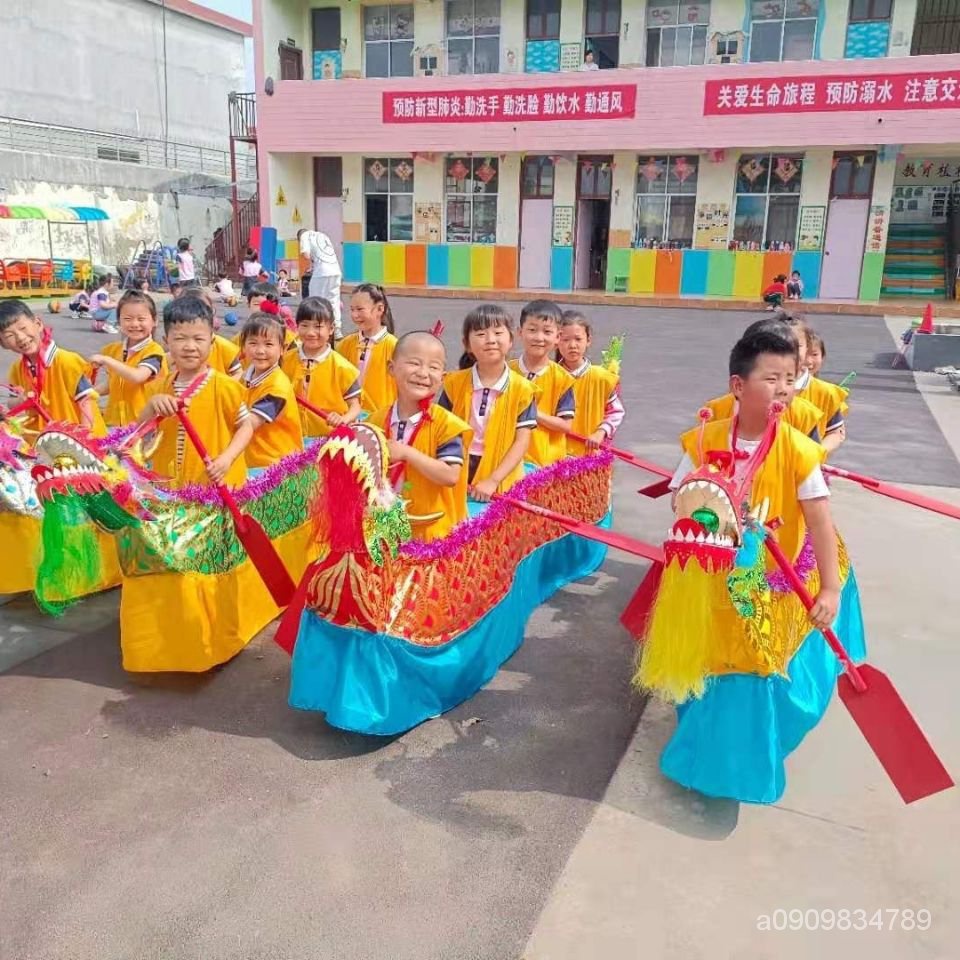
(553, 386)
(283, 283)
(56, 377)
(250, 270)
(598, 410)
(213, 401)
(80, 304)
(371, 348)
(829, 398)
(776, 293)
(498, 404)
(265, 298)
(427, 440)
(318, 373)
(186, 267)
(270, 397)
(103, 306)
(795, 286)
(132, 363)
(224, 287)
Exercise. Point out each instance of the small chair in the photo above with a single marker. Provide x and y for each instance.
(15, 273)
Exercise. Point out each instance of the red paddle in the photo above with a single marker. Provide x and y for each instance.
(879, 711)
(627, 457)
(895, 493)
(262, 553)
(587, 530)
(310, 408)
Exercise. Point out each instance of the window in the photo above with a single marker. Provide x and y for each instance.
(666, 201)
(471, 199)
(853, 175)
(388, 196)
(388, 41)
(473, 36)
(864, 10)
(595, 178)
(936, 28)
(326, 28)
(602, 32)
(543, 19)
(783, 29)
(118, 153)
(767, 201)
(537, 179)
(677, 32)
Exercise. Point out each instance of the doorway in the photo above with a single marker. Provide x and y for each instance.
(851, 187)
(536, 222)
(594, 183)
(328, 193)
(291, 62)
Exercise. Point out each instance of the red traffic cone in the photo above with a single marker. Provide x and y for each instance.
(926, 325)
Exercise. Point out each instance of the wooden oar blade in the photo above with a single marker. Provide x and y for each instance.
(894, 735)
(656, 490)
(636, 612)
(263, 555)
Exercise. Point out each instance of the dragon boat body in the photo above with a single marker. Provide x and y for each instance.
(191, 598)
(385, 633)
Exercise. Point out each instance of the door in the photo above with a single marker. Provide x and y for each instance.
(536, 227)
(328, 191)
(582, 253)
(291, 62)
(843, 249)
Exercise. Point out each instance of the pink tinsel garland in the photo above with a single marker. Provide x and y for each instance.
(805, 565)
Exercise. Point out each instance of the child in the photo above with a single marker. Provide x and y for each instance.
(224, 355)
(795, 286)
(776, 293)
(213, 401)
(265, 298)
(498, 404)
(596, 391)
(270, 397)
(250, 270)
(429, 442)
(371, 349)
(132, 363)
(553, 386)
(318, 373)
(103, 308)
(186, 268)
(750, 674)
(283, 283)
(224, 287)
(80, 305)
(55, 377)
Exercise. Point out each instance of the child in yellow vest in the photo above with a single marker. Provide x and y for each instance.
(427, 444)
(830, 398)
(56, 378)
(371, 348)
(224, 355)
(270, 397)
(598, 406)
(553, 386)
(133, 364)
(214, 402)
(497, 403)
(318, 373)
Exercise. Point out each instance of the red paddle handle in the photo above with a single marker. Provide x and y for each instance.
(224, 491)
(801, 591)
(847, 475)
(316, 411)
(626, 456)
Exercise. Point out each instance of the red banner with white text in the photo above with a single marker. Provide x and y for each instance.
(512, 104)
(830, 94)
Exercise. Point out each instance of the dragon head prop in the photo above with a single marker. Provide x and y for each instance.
(17, 489)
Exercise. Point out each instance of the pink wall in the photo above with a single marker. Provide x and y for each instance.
(345, 116)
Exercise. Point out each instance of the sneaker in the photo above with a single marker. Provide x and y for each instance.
(110, 328)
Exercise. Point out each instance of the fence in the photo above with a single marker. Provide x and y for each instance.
(28, 137)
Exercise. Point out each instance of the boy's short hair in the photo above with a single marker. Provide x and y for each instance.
(186, 309)
(11, 311)
(544, 309)
(748, 349)
(183, 244)
(263, 290)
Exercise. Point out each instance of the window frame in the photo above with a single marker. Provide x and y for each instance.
(540, 161)
(841, 155)
(668, 160)
(543, 33)
(783, 20)
(590, 36)
(470, 196)
(389, 193)
(472, 37)
(767, 194)
(390, 41)
(659, 30)
(871, 16)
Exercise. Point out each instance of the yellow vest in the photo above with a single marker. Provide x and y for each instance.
(829, 398)
(213, 410)
(274, 441)
(379, 390)
(58, 395)
(126, 400)
(547, 446)
(591, 393)
(329, 381)
(223, 354)
(790, 461)
(801, 414)
(501, 423)
(425, 497)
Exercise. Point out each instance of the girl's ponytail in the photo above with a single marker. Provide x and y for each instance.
(467, 360)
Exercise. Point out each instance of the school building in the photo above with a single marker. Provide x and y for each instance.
(672, 147)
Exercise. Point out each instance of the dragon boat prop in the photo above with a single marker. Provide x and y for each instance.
(191, 597)
(386, 632)
(84, 559)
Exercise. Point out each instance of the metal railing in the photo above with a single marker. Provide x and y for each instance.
(26, 136)
(225, 251)
(243, 115)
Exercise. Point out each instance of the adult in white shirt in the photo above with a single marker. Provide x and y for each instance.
(326, 274)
